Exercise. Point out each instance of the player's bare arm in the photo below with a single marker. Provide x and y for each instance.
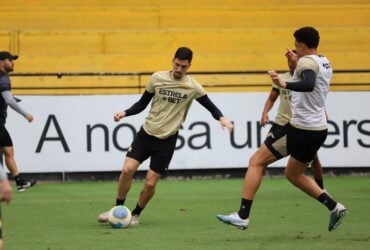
(268, 105)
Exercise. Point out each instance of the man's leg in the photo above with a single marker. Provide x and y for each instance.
(124, 184)
(10, 163)
(295, 174)
(253, 177)
(146, 194)
(125, 179)
(317, 171)
(257, 166)
(148, 190)
(252, 180)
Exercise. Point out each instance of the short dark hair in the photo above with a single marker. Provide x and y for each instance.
(184, 53)
(308, 35)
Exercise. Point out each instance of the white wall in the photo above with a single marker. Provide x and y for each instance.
(349, 139)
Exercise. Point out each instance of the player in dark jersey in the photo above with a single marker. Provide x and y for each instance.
(7, 99)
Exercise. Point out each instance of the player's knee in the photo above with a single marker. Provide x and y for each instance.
(286, 172)
(127, 171)
(8, 155)
(255, 161)
(290, 176)
(150, 187)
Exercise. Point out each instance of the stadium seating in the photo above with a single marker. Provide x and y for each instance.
(141, 36)
(226, 50)
(206, 17)
(5, 40)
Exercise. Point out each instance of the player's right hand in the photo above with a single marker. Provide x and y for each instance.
(291, 55)
(118, 116)
(264, 119)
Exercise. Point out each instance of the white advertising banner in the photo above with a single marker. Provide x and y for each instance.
(77, 133)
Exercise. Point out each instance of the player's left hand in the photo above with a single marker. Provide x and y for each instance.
(226, 123)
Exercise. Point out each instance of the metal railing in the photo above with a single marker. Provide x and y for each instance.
(364, 85)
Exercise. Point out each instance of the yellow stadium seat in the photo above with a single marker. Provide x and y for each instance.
(230, 17)
(231, 50)
(99, 36)
(167, 3)
(4, 41)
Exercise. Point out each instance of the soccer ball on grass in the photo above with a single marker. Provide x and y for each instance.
(119, 217)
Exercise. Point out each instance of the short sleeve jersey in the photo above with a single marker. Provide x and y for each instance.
(170, 104)
(4, 85)
(284, 113)
(308, 108)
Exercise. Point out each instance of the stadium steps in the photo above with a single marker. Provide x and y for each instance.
(155, 62)
(230, 50)
(222, 50)
(5, 40)
(206, 17)
(164, 3)
(142, 35)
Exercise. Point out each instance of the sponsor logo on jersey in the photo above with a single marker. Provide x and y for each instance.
(172, 96)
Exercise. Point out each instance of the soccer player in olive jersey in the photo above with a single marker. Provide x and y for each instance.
(307, 129)
(171, 93)
(7, 99)
(273, 149)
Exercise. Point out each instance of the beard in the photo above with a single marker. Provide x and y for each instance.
(177, 75)
(9, 69)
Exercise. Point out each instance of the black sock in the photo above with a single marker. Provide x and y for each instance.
(137, 210)
(325, 199)
(120, 202)
(320, 182)
(245, 208)
(17, 178)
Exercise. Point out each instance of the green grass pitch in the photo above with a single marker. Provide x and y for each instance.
(182, 215)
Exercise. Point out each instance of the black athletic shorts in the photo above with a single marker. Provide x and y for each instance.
(303, 144)
(160, 151)
(276, 141)
(5, 139)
